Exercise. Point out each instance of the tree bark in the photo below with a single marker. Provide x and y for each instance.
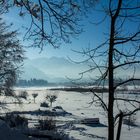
(111, 72)
(119, 126)
(111, 90)
(111, 83)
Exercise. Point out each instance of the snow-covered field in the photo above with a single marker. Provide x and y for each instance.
(79, 107)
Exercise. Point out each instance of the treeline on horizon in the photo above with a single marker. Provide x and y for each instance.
(42, 82)
(32, 82)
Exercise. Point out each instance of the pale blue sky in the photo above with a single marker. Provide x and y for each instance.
(91, 36)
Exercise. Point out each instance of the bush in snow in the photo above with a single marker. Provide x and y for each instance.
(44, 104)
(23, 94)
(6, 133)
(58, 107)
(15, 120)
(47, 124)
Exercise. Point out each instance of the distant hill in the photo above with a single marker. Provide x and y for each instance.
(54, 69)
(31, 82)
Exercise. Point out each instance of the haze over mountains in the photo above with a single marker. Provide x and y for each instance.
(54, 69)
(57, 69)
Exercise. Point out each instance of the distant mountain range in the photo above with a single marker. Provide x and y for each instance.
(54, 69)
(57, 69)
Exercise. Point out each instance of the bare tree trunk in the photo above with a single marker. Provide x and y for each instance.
(111, 85)
(111, 98)
(119, 126)
(111, 73)
(110, 109)
(50, 104)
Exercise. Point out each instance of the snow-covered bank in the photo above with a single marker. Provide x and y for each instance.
(78, 105)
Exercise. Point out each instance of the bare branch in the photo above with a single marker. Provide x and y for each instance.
(126, 63)
(132, 112)
(127, 39)
(101, 100)
(127, 100)
(126, 81)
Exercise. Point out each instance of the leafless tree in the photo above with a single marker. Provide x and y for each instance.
(51, 98)
(11, 57)
(50, 21)
(34, 96)
(116, 60)
(120, 51)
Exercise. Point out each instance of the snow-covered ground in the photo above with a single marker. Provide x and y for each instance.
(75, 103)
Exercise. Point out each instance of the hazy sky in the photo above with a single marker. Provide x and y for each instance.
(92, 36)
(89, 38)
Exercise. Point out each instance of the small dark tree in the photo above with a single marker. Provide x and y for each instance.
(34, 96)
(51, 98)
(11, 56)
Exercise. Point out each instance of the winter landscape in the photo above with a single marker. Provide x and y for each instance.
(65, 116)
(69, 69)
